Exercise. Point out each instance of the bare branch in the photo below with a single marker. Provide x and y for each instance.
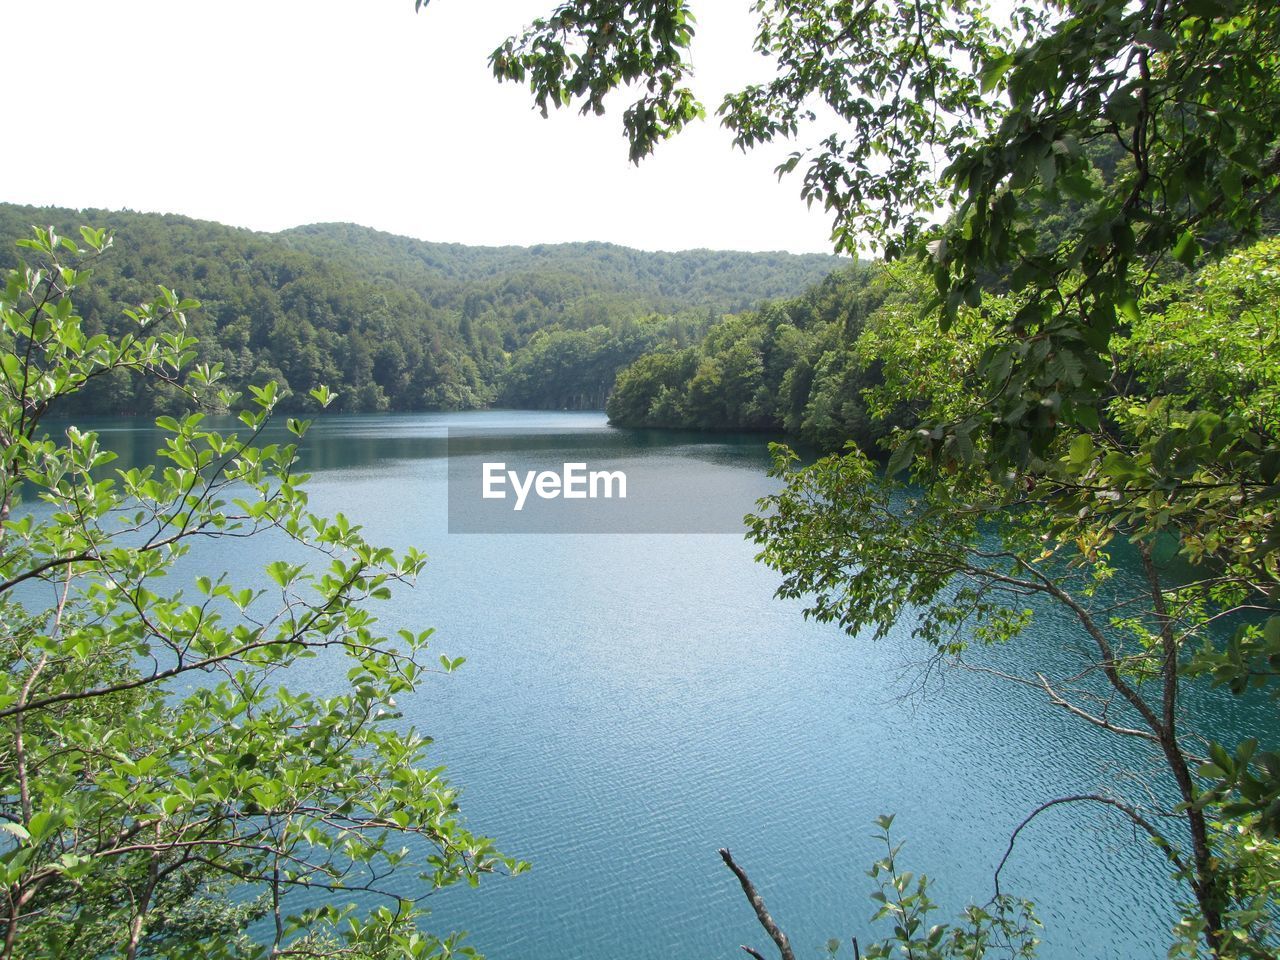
(762, 912)
(1138, 819)
(1058, 700)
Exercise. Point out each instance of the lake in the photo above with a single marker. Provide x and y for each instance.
(633, 701)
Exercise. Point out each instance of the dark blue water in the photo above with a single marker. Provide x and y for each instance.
(632, 702)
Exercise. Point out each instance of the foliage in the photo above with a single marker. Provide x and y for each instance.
(939, 106)
(789, 367)
(651, 392)
(161, 786)
(1151, 570)
(577, 369)
(583, 52)
(1004, 925)
(721, 280)
(392, 323)
(1217, 336)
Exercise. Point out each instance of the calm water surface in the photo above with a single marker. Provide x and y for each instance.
(632, 702)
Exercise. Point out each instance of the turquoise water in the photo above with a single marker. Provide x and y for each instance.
(632, 702)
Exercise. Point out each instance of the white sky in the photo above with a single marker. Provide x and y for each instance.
(274, 113)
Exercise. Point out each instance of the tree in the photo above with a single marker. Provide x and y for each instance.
(652, 392)
(1150, 572)
(161, 785)
(1050, 417)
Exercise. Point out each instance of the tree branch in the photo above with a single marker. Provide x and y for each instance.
(1165, 846)
(762, 912)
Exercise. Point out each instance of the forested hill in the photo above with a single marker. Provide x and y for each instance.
(395, 323)
(790, 366)
(724, 280)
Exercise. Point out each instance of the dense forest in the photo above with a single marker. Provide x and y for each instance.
(796, 365)
(391, 323)
(809, 367)
(789, 366)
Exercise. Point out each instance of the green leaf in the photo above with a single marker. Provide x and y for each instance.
(993, 72)
(1187, 249)
(901, 458)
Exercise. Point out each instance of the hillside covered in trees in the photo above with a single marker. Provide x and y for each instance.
(810, 366)
(789, 366)
(392, 323)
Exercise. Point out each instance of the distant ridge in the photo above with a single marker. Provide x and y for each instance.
(677, 276)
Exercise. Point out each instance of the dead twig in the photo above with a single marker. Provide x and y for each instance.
(762, 912)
